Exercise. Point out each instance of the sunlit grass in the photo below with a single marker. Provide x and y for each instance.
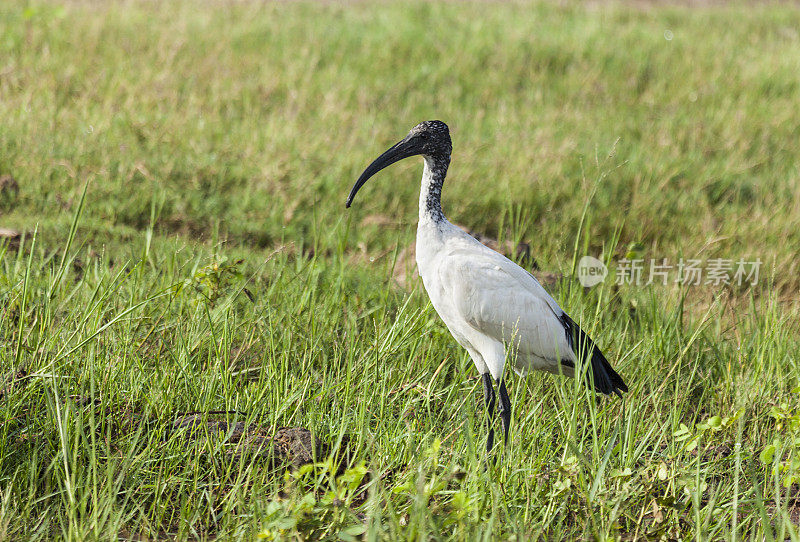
(211, 266)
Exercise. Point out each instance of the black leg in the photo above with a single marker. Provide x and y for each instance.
(505, 410)
(488, 396)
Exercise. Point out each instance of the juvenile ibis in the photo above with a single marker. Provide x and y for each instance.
(493, 307)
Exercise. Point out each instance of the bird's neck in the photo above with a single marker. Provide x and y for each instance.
(430, 195)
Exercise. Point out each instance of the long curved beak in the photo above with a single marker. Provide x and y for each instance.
(397, 152)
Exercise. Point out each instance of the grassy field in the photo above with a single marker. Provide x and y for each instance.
(210, 269)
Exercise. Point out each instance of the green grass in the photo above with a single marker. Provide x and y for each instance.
(211, 266)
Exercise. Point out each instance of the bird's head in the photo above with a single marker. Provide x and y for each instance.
(430, 138)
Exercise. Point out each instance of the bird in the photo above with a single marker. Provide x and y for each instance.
(493, 308)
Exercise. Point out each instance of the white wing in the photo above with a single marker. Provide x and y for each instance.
(500, 299)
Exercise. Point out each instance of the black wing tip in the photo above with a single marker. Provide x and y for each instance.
(605, 379)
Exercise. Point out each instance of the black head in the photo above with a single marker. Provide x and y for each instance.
(430, 138)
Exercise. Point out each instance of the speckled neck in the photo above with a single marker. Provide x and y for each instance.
(430, 195)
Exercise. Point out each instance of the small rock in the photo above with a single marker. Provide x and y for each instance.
(6, 233)
(298, 445)
(294, 445)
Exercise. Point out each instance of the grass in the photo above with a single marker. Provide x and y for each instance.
(210, 267)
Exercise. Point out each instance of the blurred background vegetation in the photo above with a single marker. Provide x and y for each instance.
(213, 266)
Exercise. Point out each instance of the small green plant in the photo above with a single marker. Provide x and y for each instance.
(318, 504)
(783, 453)
(691, 439)
(211, 282)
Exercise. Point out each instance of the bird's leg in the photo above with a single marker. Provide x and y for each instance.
(488, 396)
(505, 410)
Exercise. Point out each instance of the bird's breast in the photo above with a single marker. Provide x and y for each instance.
(430, 256)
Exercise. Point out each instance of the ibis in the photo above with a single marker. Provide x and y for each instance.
(493, 308)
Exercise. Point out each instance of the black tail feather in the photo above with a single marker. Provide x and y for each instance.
(606, 379)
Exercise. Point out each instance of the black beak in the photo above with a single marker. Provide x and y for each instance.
(405, 148)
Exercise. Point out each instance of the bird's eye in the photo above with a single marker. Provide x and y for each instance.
(424, 135)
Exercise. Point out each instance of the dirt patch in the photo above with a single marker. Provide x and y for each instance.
(295, 446)
(284, 446)
(12, 236)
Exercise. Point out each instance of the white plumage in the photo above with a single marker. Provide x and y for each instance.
(487, 302)
(494, 308)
